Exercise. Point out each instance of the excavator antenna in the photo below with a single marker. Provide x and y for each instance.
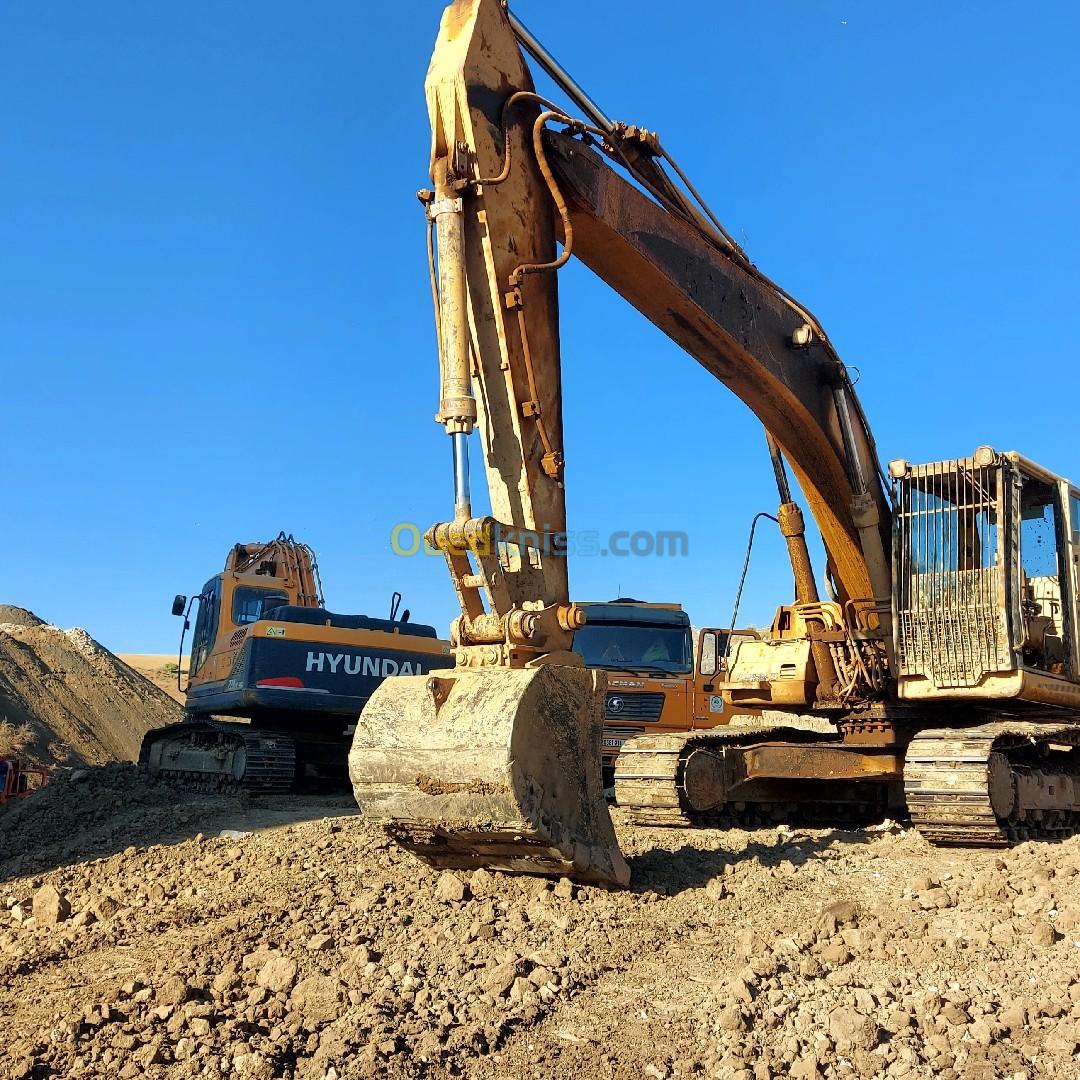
(395, 608)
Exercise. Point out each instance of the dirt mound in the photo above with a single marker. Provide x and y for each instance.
(161, 670)
(319, 950)
(88, 812)
(79, 702)
(12, 615)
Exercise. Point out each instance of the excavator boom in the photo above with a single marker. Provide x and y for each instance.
(742, 332)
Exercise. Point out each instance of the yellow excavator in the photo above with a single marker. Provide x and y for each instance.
(944, 665)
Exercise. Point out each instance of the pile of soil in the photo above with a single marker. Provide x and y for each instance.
(79, 703)
(319, 950)
(82, 813)
(11, 615)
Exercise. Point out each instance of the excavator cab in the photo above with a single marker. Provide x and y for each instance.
(244, 604)
(985, 573)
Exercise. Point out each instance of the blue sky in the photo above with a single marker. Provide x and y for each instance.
(214, 311)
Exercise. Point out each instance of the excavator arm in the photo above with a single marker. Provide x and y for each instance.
(494, 232)
(514, 183)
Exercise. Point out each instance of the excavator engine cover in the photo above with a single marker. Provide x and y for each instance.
(495, 768)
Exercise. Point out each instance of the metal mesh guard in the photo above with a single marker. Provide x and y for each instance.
(950, 582)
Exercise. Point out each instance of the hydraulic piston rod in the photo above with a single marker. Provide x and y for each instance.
(462, 493)
(457, 406)
(792, 528)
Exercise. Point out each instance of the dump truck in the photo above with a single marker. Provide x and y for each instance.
(647, 651)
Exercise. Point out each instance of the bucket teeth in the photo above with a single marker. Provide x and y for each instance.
(493, 768)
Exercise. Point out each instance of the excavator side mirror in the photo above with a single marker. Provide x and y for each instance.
(179, 603)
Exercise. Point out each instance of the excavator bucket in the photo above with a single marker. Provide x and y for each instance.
(491, 768)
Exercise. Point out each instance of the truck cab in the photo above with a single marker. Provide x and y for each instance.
(654, 686)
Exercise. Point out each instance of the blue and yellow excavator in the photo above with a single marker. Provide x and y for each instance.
(276, 681)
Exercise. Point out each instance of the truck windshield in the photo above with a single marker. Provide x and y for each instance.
(249, 604)
(637, 647)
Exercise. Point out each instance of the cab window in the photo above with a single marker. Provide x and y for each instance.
(1043, 578)
(249, 604)
(715, 647)
(707, 659)
(1039, 530)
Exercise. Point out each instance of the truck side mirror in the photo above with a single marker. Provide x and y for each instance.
(708, 662)
(179, 603)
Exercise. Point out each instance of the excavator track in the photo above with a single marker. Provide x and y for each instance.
(213, 756)
(649, 773)
(995, 784)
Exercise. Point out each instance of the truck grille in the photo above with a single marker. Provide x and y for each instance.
(613, 739)
(639, 707)
(950, 585)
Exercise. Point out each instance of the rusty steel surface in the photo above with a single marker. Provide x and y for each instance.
(496, 768)
(821, 761)
(723, 773)
(736, 329)
(476, 65)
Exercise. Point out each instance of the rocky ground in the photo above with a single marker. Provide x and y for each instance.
(259, 938)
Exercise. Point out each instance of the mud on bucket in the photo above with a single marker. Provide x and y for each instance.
(494, 768)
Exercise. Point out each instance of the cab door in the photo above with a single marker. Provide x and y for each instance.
(1045, 532)
(206, 626)
(714, 645)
